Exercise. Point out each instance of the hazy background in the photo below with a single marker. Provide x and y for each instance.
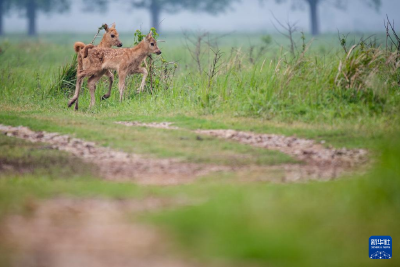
(248, 15)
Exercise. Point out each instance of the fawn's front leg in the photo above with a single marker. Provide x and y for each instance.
(145, 73)
(92, 87)
(110, 76)
(121, 84)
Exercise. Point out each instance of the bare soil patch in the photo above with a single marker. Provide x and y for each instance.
(119, 165)
(159, 125)
(88, 232)
(321, 161)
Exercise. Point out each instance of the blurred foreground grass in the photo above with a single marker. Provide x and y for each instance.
(313, 224)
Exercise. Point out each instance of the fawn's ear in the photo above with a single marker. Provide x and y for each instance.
(149, 35)
(105, 27)
(113, 25)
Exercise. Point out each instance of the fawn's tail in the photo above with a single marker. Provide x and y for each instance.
(86, 50)
(78, 46)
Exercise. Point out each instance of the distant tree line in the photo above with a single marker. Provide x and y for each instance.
(31, 8)
(313, 9)
(156, 7)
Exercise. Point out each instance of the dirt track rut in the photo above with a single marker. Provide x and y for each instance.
(322, 162)
(118, 165)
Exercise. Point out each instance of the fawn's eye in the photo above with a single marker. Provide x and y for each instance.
(112, 35)
(152, 44)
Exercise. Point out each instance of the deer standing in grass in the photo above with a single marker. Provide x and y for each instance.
(125, 61)
(110, 39)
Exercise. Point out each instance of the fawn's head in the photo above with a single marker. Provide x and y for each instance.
(152, 44)
(111, 37)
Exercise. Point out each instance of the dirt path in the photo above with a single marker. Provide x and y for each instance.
(322, 163)
(303, 149)
(118, 165)
(91, 233)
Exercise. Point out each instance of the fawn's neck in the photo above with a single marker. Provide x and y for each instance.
(104, 44)
(141, 50)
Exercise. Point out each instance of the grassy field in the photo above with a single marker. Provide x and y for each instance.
(259, 86)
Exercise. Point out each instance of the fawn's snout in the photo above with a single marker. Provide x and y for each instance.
(158, 52)
(119, 45)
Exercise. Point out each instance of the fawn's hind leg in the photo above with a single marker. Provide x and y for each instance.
(110, 76)
(79, 70)
(79, 81)
(92, 87)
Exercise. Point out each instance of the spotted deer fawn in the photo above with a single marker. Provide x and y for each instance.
(125, 61)
(110, 39)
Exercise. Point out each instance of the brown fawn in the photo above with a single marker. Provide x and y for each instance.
(125, 61)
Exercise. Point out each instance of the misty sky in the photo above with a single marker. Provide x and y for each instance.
(248, 15)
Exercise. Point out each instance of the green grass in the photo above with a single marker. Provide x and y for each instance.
(276, 87)
(314, 224)
(39, 159)
(310, 224)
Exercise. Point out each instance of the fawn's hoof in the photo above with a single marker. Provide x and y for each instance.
(72, 101)
(104, 97)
